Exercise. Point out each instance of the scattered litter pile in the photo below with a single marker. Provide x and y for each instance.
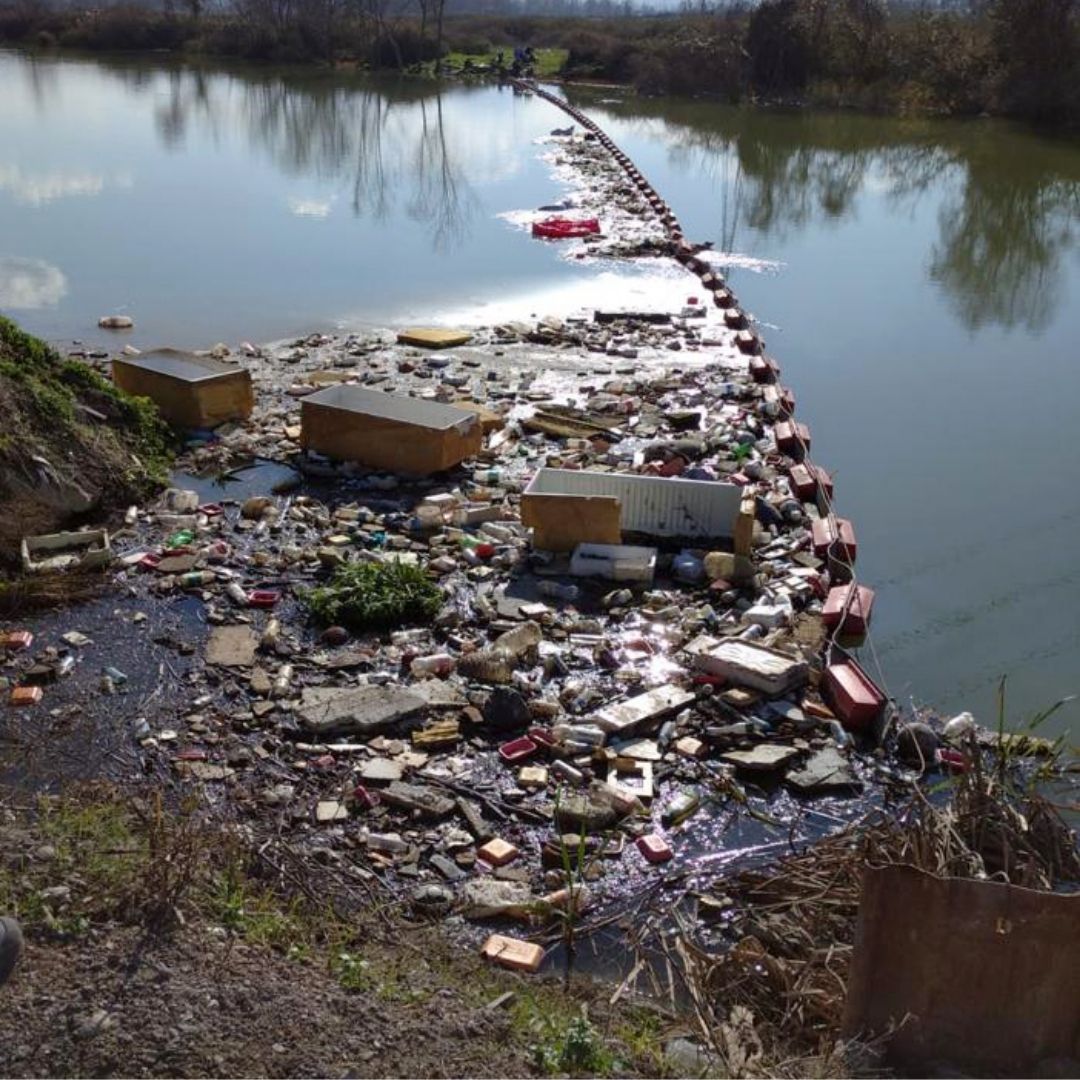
(603, 643)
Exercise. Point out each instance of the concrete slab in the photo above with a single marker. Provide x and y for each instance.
(360, 710)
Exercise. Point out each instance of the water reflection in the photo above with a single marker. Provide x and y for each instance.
(29, 284)
(1005, 227)
(37, 189)
(391, 142)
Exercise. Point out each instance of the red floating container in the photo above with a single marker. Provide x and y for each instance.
(748, 342)
(829, 531)
(780, 397)
(763, 369)
(655, 848)
(212, 509)
(792, 438)
(263, 598)
(560, 228)
(848, 607)
(517, 750)
(542, 736)
(852, 695)
(804, 483)
(823, 479)
(150, 561)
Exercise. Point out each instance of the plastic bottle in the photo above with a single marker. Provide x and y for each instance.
(271, 635)
(236, 594)
(486, 665)
(589, 734)
(180, 538)
(557, 591)
(683, 806)
(282, 682)
(437, 665)
(520, 640)
(196, 579)
(563, 770)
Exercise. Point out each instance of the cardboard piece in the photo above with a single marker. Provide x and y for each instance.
(388, 431)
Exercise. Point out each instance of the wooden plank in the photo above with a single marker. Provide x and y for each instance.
(561, 522)
(433, 338)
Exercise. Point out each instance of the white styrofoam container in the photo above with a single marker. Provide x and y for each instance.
(618, 562)
(756, 666)
(66, 551)
(653, 505)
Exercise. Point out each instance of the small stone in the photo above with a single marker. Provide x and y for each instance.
(334, 636)
(917, 745)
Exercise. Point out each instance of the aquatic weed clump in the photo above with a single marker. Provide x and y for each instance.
(372, 595)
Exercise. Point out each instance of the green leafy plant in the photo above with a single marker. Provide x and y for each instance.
(574, 1047)
(372, 595)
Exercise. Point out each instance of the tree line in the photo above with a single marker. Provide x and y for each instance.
(1011, 57)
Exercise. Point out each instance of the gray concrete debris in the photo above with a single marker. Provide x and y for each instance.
(356, 710)
(768, 757)
(826, 770)
(418, 799)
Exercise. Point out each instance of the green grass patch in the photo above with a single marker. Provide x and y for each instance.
(549, 62)
(375, 595)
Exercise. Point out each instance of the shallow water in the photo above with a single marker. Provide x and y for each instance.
(918, 281)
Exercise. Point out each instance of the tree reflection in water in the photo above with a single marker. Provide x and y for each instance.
(1007, 221)
(390, 141)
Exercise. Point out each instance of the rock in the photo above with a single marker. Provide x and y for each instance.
(334, 636)
(506, 709)
(254, 508)
(232, 646)
(432, 900)
(357, 710)
(381, 771)
(260, 683)
(825, 770)
(917, 745)
(417, 798)
(576, 812)
(488, 898)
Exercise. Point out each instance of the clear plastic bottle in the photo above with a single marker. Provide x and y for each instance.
(437, 665)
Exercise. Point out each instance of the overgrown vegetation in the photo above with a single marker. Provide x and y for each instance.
(72, 441)
(77, 865)
(375, 595)
(1010, 57)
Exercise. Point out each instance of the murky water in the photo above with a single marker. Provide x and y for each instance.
(918, 281)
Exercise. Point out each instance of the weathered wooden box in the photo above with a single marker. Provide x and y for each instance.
(567, 507)
(189, 391)
(388, 431)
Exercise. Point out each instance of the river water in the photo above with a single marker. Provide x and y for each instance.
(918, 281)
